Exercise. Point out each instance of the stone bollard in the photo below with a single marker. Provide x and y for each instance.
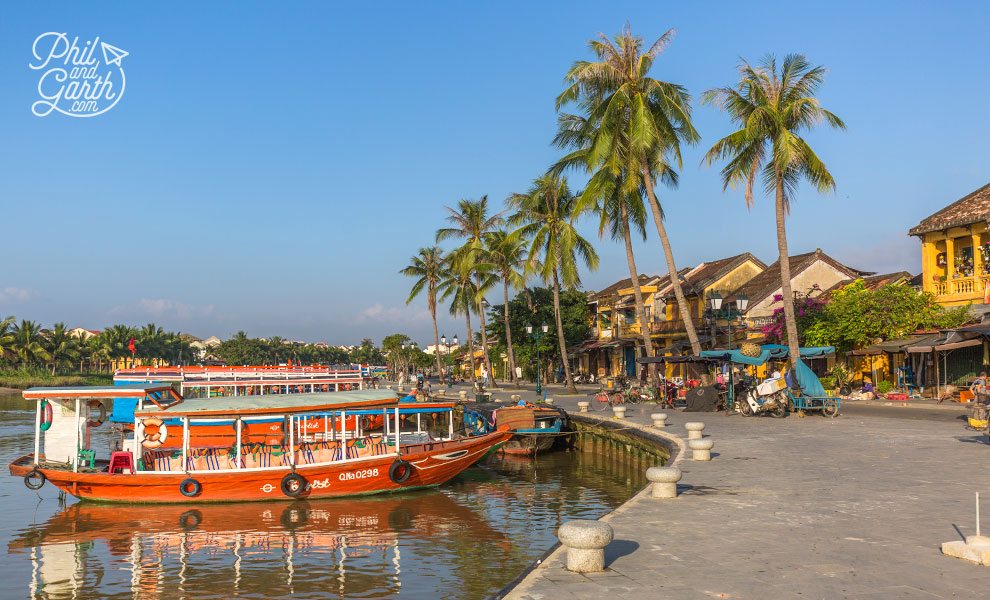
(515, 397)
(583, 406)
(664, 481)
(694, 430)
(585, 541)
(400, 388)
(619, 412)
(659, 419)
(463, 395)
(549, 401)
(388, 387)
(701, 449)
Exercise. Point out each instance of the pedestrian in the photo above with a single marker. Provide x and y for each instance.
(979, 388)
(484, 375)
(427, 389)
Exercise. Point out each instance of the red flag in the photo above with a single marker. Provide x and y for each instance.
(130, 346)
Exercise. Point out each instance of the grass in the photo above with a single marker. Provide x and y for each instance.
(23, 379)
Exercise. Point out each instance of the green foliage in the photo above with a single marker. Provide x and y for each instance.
(828, 382)
(242, 350)
(884, 387)
(855, 316)
(367, 354)
(840, 375)
(535, 307)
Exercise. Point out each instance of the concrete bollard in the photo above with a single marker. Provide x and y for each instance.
(664, 481)
(388, 387)
(694, 430)
(400, 388)
(619, 412)
(549, 401)
(463, 395)
(515, 397)
(701, 449)
(585, 541)
(583, 406)
(659, 419)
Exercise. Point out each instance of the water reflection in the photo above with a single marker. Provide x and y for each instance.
(466, 539)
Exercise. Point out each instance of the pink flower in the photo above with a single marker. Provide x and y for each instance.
(778, 297)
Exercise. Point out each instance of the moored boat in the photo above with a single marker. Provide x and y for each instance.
(304, 463)
(535, 427)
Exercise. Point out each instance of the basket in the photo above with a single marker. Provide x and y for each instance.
(978, 416)
(750, 349)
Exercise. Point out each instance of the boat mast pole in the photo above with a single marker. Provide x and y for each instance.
(292, 441)
(75, 457)
(450, 422)
(185, 444)
(37, 431)
(397, 430)
(237, 448)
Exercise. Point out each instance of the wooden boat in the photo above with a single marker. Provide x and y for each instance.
(535, 427)
(303, 464)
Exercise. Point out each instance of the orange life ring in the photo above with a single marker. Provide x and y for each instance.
(156, 439)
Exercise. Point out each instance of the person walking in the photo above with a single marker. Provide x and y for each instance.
(979, 388)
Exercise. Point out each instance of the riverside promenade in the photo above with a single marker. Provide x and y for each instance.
(855, 507)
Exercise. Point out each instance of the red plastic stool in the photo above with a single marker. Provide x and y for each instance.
(120, 461)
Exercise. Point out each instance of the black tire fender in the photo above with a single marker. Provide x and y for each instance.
(399, 471)
(31, 476)
(190, 488)
(293, 485)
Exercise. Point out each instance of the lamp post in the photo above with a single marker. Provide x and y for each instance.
(715, 303)
(537, 335)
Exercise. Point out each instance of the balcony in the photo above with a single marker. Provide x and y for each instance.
(657, 328)
(961, 289)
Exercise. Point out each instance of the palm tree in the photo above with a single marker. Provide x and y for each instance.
(547, 213)
(471, 222)
(771, 110)
(459, 285)
(115, 340)
(59, 345)
(505, 251)
(428, 267)
(150, 344)
(27, 343)
(6, 334)
(634, 123)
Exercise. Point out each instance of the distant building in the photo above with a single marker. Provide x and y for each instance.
(85, 334)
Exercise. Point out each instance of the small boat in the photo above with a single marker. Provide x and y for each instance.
(304, 463)
(535, 427)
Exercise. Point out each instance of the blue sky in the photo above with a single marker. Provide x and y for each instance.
(271, 166)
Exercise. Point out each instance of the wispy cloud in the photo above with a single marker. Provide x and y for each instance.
(15, 294)
(160, 308)
(378, 313)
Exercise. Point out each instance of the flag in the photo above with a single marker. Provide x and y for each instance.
(130, 346)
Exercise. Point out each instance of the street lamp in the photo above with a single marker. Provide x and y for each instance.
(537, 335)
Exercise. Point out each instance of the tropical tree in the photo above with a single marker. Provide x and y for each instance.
(428, 268)
(115, 341)
(505, 251)
(547, 214)
(460, 287)
(6, 334)
(771, 110)
(632, 126)
(472, 222)
(27, 343)
(59, 345)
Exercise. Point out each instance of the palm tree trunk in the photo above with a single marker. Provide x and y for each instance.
(560, 335)
(644, 327)
(668, 254)
(484, 339)
(785, 272)
(508, 334)
(470, 336)
(436, 340)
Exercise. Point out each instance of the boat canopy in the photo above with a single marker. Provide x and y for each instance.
(276, 404)
(131, 390)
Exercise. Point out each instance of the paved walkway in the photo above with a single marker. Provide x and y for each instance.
(855, 507)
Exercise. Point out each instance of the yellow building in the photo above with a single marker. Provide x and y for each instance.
(955, 250)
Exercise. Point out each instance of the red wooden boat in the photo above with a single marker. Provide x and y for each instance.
(305, 465)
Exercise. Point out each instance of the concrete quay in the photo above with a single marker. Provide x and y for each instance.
(855, 507)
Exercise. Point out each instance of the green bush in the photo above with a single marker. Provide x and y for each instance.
(884, 387)
(828, 382)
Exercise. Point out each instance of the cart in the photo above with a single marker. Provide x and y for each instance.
(828, 405)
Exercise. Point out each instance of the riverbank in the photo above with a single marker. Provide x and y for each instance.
(14, 381)
(855, 507)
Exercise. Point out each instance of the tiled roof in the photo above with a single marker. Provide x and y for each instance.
(706, 273)
(767, 282)
(875, 281)
(624, 283)
(972, 208)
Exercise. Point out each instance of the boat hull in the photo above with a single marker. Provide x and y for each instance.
(526, 444)
(434, 463)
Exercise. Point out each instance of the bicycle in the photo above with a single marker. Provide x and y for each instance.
(611, 397)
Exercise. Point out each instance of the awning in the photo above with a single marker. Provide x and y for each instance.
(963, 344)
(898, 345)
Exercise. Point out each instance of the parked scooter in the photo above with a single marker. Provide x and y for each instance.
(768, 397)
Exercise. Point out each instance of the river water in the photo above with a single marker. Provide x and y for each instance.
(466, 539)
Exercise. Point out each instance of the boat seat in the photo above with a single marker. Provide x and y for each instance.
(120, 461)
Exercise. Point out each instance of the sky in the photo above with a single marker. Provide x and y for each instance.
(269, 167)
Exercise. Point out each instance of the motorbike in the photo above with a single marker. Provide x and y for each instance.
(769, 397)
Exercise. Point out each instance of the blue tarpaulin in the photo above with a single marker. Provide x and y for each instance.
(806, 378)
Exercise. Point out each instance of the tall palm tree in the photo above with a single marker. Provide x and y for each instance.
(459, 285)
(150, 342)
(771, 109)
(59, 345)
(636, 123)
(547, 213)
(471, 222)
(6, 334)
(27, 343)
(429, 268)
(115, 340)
(505, 251)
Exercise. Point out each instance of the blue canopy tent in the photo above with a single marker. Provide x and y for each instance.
(806, 378)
